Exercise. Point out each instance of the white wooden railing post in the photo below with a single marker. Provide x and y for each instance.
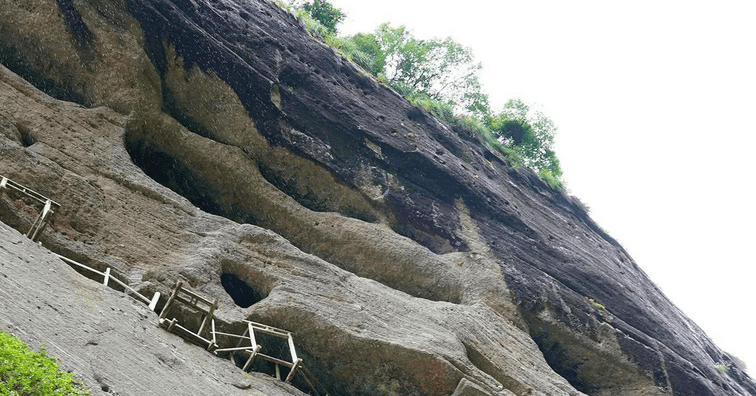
(153, 303)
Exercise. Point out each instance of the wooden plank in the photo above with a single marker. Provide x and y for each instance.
(154, 302)
(197, 296)
(252, 336)
(32, 230)
(192, 303)
(190, 333)
(212, 330)
(69, 261)
(128, 289)
(293, 371)
(42, 221)
(246, 348)
(274, 360)
(8, 183)
(170, 299)
(209, 316)
(291, 349)
(265, 327)
(306, 374)
(273, 333)
(244, 337)
(253, 354)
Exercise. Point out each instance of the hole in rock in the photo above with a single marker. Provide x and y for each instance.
(243, 294)
(27, 138)
(173, 173)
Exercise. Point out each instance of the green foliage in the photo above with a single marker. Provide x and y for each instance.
(724, 369)
(442, 77)
(324, 12)
(596, 304)
(313, 26)
(366, 51)
(24, 372)
(531, 134)
(550, 179)
(492, 141)
(440, 109)
(472, 125)
(286, 6)
(439, 69)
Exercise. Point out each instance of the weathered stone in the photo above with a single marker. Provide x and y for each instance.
(389, 217)
(110, 341)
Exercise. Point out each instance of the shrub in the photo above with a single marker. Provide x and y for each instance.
(364, 60)
(472, 125)
(325, 13)
(440, 109)
(550, 179)
(24, 372)
(314, 27)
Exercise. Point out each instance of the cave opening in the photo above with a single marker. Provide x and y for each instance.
(27, 137)
(242, 293)
(559, 359)
(172, 172)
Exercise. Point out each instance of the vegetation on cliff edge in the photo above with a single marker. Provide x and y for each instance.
(442, 77)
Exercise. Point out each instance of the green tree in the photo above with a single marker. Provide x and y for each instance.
(325, 13)
(530, 133)
(365, 49)
(437, 69)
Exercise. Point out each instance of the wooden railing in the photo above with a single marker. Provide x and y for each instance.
(107, 278)
(47, 205)
(183, 295)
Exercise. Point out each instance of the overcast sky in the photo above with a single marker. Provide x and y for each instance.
(655, 105)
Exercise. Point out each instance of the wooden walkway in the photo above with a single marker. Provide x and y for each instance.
(206, 334)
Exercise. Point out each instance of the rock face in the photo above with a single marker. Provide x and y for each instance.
(109, 340)
(216, 140)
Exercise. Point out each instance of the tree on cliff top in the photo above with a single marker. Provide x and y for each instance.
(530, 133)
(325, 13)
(442, 76)
(440, 70)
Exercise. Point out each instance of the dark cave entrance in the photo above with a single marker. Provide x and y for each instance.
(243, 294)
(174, 174)
(558, 358)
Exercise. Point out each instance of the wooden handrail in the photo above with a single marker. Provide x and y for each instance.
(8, 183)
(108, 278)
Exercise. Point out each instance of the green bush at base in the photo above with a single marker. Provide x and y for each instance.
(25, 372)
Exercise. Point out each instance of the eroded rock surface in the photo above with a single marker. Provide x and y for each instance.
(109, 340)
(218, 138)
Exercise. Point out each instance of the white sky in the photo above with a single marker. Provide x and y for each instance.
(654, 101)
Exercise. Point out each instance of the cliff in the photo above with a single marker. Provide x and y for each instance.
(216, 139)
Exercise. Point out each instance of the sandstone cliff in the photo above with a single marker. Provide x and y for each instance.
(214, 139)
